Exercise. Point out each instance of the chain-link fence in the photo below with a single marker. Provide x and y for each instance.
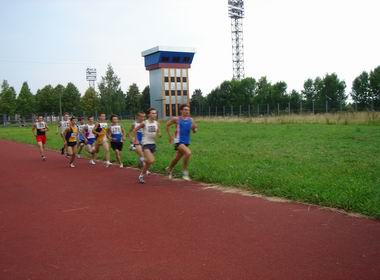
(255, 110)
(248, 111)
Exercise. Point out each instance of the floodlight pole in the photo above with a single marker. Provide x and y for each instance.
(91, 77)
(236, 13)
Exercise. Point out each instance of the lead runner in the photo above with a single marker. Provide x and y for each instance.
(184, 125)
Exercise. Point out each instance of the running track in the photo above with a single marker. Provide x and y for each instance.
(98, 223)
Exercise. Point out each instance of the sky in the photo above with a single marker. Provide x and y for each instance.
(54, 41)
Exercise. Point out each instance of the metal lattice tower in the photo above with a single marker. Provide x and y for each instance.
(236, 13)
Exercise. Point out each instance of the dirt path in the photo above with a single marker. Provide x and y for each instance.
(96, 223)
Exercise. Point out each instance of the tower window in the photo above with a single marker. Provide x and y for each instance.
(185, 92)
(176, 59)
(172, 79)
(165, 59)
(178, 79)
(166, 93)
(184, 79)
(186, 59)
(166, 79)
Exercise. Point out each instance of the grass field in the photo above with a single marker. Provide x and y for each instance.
(333, 165)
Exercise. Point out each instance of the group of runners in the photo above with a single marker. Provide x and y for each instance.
(91, 136)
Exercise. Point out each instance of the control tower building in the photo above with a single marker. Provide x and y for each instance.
(168, 78)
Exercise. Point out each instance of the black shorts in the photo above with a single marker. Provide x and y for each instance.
(176, 145)
(117, 146)
(72, 144)
(151, 147)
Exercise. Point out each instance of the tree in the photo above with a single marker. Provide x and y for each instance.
(57, 104)
(133, 100)
(145, 99)
(220, 96)
(71, 99)
(295, 99)
(45, 100)
(278, 94)
(332, 91)
(263, 91)
(25, 103)
(374, 82)
(90, 102)
(198, 101)
(309, 93)
(361, 91)
(110, 92)
(7, 99)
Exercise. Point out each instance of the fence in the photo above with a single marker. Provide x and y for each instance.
(256, 110)
(248, 110)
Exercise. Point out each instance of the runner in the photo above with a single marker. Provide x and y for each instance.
(90, 138)
(62, 125)
(82, 137)
(136, 141)
(40, 127)
(184, 125)
(151, 129)
(71, 136)
(116, 134)
(100, 131)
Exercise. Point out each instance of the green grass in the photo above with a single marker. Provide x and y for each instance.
(330, 165)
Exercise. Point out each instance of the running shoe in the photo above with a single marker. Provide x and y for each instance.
(92, 162)
(121, 165)
(141, 179)
(185, 176)
(108, 163)
(78, 156)
(72, 165)
(43, 158)
(169, 172)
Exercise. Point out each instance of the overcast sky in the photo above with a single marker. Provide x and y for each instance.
(54, 41)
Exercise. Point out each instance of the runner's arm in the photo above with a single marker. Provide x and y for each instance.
(81, 132)
(94, 130)
(130, 133)
(124, 134)
(137, 128)
(158, 130)
(168, 124)
(64, 135)
(194, 127)
(34, 129)
(108, 133)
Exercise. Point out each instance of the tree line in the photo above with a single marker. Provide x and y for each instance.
(316, 93)
(109, 98)
(49, 100)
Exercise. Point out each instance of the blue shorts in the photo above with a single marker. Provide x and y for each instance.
(91, 141)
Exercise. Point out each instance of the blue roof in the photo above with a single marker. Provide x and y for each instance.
(169, 57)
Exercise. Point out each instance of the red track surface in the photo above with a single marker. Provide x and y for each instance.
(98, 223)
